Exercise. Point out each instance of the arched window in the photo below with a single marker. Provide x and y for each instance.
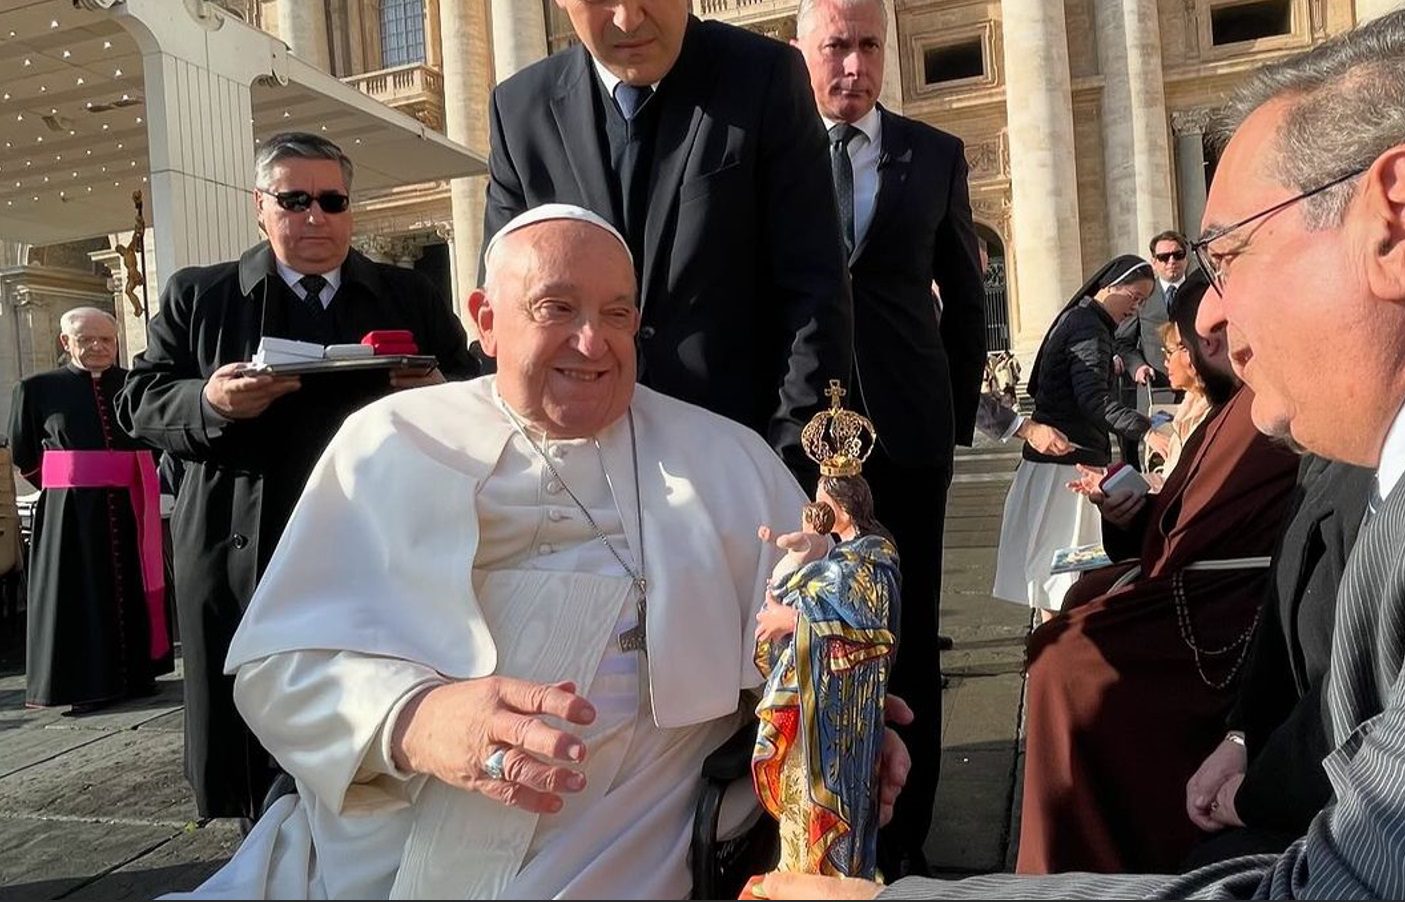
(402, 32)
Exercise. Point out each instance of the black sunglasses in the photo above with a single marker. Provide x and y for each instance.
(1168, 257)
(301, 201)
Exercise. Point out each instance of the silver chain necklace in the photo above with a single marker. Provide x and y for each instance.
(631, 639)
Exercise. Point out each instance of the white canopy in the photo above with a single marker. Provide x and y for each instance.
(99, 98)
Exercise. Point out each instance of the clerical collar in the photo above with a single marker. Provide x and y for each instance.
(76, 370)
(871, 124)
(1392, 465)
(610, 80)
(292, 277)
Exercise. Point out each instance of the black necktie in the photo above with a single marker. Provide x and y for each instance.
(843, 169)
(1170, 294)
(629, 98)
(314, 286)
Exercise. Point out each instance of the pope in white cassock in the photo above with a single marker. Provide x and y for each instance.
(510, 618)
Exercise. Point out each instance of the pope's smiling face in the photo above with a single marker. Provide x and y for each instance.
(559, 315)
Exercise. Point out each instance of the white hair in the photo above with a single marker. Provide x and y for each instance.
(806, 12)
(68, 323)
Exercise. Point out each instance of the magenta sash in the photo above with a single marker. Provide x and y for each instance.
(136, 472)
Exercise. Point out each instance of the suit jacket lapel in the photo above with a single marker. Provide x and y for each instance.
(573, 106)
(894, 164)
(685, 95)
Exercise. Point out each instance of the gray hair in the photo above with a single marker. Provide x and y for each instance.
(300, 145)
(807, 10)
(1347, 108)
(68, 322)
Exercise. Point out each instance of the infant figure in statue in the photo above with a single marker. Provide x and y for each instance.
(825, 643)
(776, 621)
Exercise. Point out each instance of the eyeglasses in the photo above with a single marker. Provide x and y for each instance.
(93, 341)
(1172, 350)
(1169, 256)
(1218, 270)
(301, 201)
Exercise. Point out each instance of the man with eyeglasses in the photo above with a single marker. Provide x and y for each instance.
(97, 596)
(1140, 359)
(249, 442)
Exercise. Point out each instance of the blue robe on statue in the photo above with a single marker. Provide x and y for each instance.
(815, 764)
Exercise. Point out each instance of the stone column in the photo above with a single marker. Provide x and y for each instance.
(1136, 151)
(1370, 9)
(519, 36)
(200, 135)
(1046, 241)
(1189, 131)
(302, 25)
(445, 230)
(467, 81)
(892, 94)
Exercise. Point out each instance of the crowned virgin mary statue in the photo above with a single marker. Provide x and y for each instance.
(815, 764)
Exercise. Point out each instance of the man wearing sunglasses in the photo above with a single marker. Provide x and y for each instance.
(250, 442)
(1140, 356)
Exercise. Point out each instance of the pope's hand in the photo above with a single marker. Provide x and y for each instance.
(893, 761)
(787, 885)
(245, 397)
(449, 731)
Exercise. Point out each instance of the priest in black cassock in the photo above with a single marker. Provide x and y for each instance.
(249, 442)
(96, 619)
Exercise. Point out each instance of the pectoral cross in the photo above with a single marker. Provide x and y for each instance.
(632, 639)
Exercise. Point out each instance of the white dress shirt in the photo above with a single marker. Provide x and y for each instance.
(1392, 465)
(294, 280)
(864, 153)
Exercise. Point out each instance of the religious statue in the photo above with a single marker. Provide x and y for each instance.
(825, 644)
(132, 253)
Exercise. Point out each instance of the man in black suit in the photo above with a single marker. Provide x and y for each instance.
(698, 140)
(906, 214)
(249, 442)
(1139, 345)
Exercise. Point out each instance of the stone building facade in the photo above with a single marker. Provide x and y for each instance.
(1082, 119)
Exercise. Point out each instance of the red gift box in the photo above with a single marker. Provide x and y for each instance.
(391, 341)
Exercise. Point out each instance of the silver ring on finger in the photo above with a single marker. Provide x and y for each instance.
(493, 764)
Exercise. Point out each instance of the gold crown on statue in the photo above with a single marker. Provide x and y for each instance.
(838, 440)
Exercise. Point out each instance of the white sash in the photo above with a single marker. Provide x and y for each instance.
(548, 627)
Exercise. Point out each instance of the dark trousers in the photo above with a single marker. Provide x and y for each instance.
(910, 502)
